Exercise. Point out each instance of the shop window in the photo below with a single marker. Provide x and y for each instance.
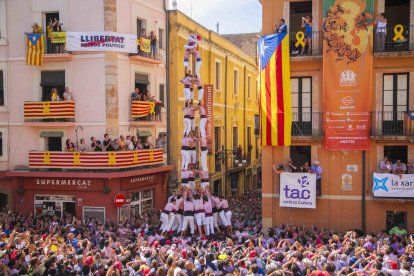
(217, 79)
(141, 202)
(2, 88)
(98, 213)
(54, 205)
(394, 218)
(395, 153)
(52, 80)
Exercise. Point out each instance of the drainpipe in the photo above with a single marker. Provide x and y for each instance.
(225, 121)
(167, 88)
(363, 203)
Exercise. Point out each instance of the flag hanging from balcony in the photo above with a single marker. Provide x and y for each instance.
(275, 98)
(35, 48)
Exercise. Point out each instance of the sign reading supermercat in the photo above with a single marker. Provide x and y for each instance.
(101, 41)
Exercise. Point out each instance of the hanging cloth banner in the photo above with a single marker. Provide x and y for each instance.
(347, 73)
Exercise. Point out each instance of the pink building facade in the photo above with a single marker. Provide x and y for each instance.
(102, 83)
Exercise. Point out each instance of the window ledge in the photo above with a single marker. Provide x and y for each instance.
(4, 109)
(3, 42)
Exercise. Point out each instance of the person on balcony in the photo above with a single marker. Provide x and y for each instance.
(154, 41)
(69, 145)
(381, 32)
(305, 168)
(317, 170)
(142, 35)
(134, 143)
(139, 144)
(67, 95)
(385, 165)
(108, 144)
(281, 28)
(54, 96)
(307, 24)
(96, 145)
(128, 143)
(36, 28)
(83, 146)
(135, 95)
(399, 168)
(410, 168)
(116, 145)
(147, 144)
(122, 142)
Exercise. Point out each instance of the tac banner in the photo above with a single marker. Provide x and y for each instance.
(208, 100)
(298, 190)
(145, 45)
(101, 41)
(391, 185)
(347, 73)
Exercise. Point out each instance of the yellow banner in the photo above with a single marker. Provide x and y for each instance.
(58, 37)
(145, 45)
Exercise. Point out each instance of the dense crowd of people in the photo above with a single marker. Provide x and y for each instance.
(67, 246)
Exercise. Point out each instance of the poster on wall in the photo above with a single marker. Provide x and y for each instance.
(347, 73)
(101, 41)
(391, 185)
(208, 100)
(298, 190)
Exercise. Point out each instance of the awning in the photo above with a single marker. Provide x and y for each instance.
(141, 78)
(51, 134)
(52, 78)
(144, 133)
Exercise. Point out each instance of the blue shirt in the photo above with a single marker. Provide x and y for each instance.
(308, 28)
(317, 170)
(282, 29)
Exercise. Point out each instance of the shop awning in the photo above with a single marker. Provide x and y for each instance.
(141, 78)
(52, 78)
(51, 134)
(144, 133)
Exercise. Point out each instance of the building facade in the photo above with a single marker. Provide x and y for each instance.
(234, 78)
(346, 200)
(37, 174)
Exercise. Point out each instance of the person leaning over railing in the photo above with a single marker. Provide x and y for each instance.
(70, 146)
(385, 166)
(399, 168)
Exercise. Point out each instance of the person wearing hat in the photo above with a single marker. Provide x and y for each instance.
(317, 170)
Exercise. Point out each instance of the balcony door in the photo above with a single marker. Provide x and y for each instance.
(301, 89)
(395, 103)
(50, 80)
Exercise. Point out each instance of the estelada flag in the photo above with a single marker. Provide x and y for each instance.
(275, 98)
(35, 48)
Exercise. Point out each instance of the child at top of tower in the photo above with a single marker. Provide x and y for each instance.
(192, 48)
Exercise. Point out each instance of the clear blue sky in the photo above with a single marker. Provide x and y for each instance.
(234, 16)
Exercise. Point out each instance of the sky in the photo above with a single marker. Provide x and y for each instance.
(234, 16)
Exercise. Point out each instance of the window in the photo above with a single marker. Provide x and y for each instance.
(51, 80)
(256, 125)
(161, 38)
(395, 102)
(301, 90)
(394, 218)
(1, 88)
(217, 139)
(297, 11)
(141, 25)
(395, 153)
(217, 81)
(140, 202)
(3, 144)
(3, 29)
(236, 82)
(249, 87)
(300, 155)
(257, 91)
(94, 212)
(235, 138)
(55, 47)
(249, 144)
(141, 82)
(162, 93)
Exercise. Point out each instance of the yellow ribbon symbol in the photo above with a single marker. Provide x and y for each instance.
(152, 106)
(112, 158)
(76, 158)
(46, 108)
(135, 160)
(151, 155)
(398, 33)
(300, 36)
(46, 158)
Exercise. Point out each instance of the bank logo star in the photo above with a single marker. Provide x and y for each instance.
(379, 184)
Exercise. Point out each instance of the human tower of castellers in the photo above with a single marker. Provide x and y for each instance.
(193, 206)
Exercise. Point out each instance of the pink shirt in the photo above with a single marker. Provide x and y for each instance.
(203, 175)
(198, 204)
(188, 206)
(169, 207)
(223, 204)
(192, 112)
(185, 174)
(215, 201)
(185, 142)
(208, 207)
(178, 203)
(202, 111)
(198, 82)
(191, 175)
(186, 80)
(203, 142)
(187, 111)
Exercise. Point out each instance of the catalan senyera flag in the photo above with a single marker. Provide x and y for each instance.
(275, 98)
(35, 48)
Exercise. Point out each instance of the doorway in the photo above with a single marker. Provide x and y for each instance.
(395, 153)
(50, 48)
(395, 218)
(54, 143)
(3, 201)
(300, 155)
(217, 187)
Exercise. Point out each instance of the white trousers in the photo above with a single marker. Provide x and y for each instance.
(223, 219)
(187, 126)
(200, 219)
(188, 220)
(193, 154)
(185, 159)
(164, 219)
(209, 225)
(198, 66)
(203, 122)
(178, 222)
(187, 93)
(215, 220)
(200, 93)
(192, 124)
(203, 160)
(228, 217)
(170, 222)
(191, 94)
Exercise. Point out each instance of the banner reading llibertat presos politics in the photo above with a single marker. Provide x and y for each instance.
(391, 185)
(347, 73)
(101, 41)
(297, 190)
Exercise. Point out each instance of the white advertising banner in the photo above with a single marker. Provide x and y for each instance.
(391, 185)
(298, 190)
(101, 41)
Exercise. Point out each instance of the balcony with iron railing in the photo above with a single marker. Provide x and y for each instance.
(147, 113)
(95, 161)
(394, 40)
(392, 124)
(307, 125)
(302, 46)
(49, 113)
(154, 56)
